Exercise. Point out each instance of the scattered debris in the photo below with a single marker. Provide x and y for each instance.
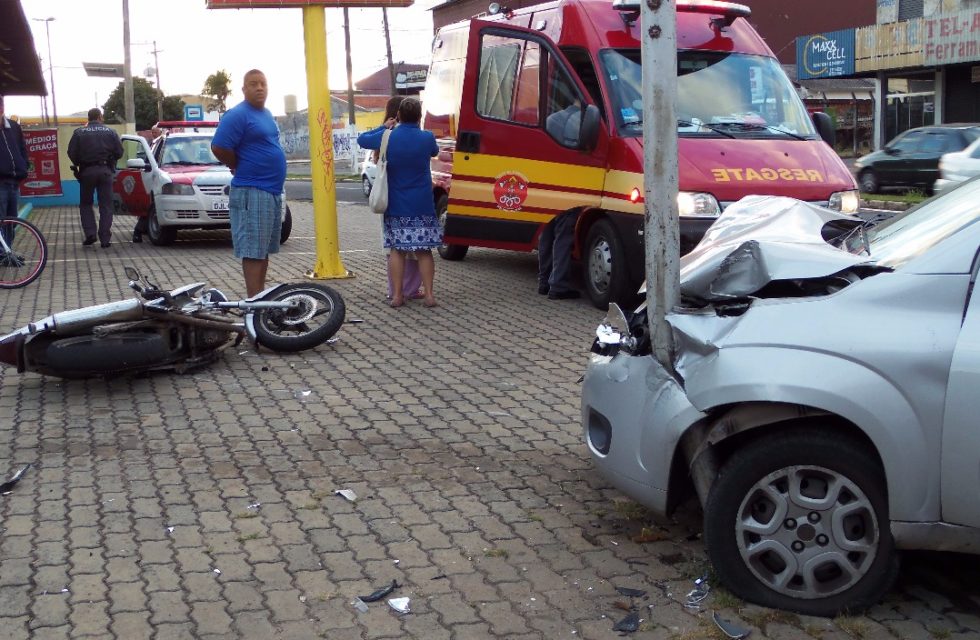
(693, 537)
(358, 604)
(7, 486)
(353, 321)
(346, 494)
(265, 368)
(629, 624)
(698, 594)
(170, 529)
(381, 593)
(302, 393)
(401, 605)
(254, 506)
(441, 576)
(333, 340)
(730, 629)
(302, 599)
(217, 571)
(643, 562)
(622, 604)
(631, 593)
(395, 561)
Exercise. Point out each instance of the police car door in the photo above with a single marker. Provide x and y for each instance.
(520, 155)
(130, 191)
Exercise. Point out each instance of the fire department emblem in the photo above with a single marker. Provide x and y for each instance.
(510, 191)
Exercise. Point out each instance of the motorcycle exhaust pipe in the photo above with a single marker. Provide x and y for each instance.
(68, 322)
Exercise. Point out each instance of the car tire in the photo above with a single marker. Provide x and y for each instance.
(453, 252)
(159, 235)
(287, 226)
(606, 272)
(366, 186)
(796, 497)
(869, 182)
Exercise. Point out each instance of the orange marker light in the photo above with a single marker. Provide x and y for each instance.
(635, 195)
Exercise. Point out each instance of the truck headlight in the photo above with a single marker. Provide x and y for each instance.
(845, 201)
(691, 204)
(174, 189)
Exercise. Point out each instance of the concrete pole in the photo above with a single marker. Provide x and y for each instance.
(128, 74)
(351, 118)
(156, 68)
(391, 66)
(54, 102)
(661, 224)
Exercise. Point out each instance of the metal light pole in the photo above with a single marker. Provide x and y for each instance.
(128, 74)
(47, 31)
(662, 226)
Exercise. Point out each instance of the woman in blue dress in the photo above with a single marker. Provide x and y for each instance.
(410, 223)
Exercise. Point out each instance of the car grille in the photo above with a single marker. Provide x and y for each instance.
(218, 215)
(212, 189)
(191, 214)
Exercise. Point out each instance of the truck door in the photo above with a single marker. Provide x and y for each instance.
(130, 192)
(960, 465)
(520, 157)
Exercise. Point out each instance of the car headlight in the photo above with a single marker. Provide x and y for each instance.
(845, 201)
(697, 205)
(174, 189)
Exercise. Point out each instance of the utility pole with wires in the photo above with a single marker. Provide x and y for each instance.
(391, 67)
(351, 120)
(156, 69)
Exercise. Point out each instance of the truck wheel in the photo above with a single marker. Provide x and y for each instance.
(869, 181)
(159, 235)
(798, 520)
(287, 226)
(448, 251)
(606, 273)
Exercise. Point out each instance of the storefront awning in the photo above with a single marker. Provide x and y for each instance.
(20, 69)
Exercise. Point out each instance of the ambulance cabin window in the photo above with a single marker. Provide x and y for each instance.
(509, 82)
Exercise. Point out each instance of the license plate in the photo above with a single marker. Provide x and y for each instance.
(219, 205)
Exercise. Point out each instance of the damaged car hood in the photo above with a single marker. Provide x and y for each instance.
(764, 239)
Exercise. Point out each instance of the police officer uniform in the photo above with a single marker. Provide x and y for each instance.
(94, 150)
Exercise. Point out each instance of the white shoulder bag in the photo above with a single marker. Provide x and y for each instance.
(378, 200)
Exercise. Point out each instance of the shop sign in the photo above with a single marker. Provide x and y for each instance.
(43, 172)
(952, 38)
(825, 55)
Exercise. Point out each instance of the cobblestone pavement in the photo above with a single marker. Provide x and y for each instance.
(202, 506)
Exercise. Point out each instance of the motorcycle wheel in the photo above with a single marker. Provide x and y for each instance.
(320, 313)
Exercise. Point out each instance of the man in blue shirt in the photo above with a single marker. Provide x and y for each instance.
(247, 140)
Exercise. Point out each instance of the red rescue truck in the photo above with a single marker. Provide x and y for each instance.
(539, 111)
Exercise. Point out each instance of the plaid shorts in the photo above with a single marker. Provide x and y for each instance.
(256, 222)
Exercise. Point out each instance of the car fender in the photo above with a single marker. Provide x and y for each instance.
(906, 444)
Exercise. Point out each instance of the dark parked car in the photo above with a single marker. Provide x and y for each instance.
(911, 159)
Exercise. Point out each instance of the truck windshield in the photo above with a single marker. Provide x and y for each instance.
(730, 95)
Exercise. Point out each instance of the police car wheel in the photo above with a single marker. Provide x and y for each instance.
(159, 235)
(287, 226)
(366, 186)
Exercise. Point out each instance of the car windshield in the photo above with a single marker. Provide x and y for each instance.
(730, 95)
(188, 150)
(907, 235)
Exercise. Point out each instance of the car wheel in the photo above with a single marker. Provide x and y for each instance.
(607, 275)
(366, 186)
(798, 520)
(869, 181)
(159, 235)
(452, 252)
(287, 226)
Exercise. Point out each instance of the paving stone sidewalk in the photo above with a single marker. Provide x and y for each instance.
(203, 505)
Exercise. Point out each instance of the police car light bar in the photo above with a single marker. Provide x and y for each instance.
(728, 10)
(185, 124)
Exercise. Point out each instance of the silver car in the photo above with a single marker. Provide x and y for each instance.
(822, 402)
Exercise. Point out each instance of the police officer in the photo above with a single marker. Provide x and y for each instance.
(94, 150)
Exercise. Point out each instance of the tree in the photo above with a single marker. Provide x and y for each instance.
(217, 87)
(145, 100)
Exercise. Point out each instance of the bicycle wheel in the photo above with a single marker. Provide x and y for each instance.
(23, 253)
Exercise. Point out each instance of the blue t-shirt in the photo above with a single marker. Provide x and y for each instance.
(254, 137)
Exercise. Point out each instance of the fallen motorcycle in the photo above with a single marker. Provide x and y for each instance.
(182, 329)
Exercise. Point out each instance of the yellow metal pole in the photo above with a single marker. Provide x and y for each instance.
(328, 264)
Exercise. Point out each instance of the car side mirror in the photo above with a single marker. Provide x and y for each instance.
(825, 127)
(589, 131)
(892, 151)
(136, 163)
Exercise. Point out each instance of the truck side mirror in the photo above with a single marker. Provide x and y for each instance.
(825, 127)
(589, 131)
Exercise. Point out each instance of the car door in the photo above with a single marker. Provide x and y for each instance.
(924, 162)
(130, 186)
(895, 168)
(518, 161)
(961, 431)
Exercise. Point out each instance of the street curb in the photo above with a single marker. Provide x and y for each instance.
(886, 205)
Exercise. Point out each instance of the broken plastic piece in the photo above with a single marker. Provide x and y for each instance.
(346, 493)
(698, 594)
(359, 605)
(401, 605)
(14, 479)
(631, 593)
(629, 624)
(254, 506)
(381, 593)
(730, 629)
